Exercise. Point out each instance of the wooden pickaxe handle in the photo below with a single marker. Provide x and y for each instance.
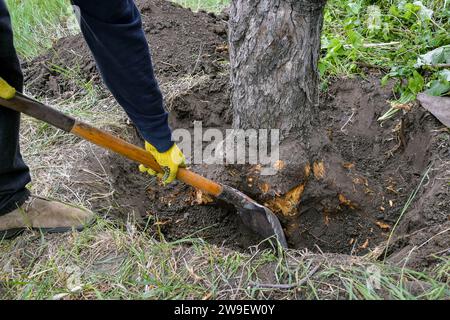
(37, 110)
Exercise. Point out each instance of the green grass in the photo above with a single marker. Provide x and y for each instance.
(38, 23)
(208, 5)
(109, 261)
(388, 35)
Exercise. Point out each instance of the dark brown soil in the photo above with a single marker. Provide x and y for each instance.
(391, 158)
(385, 160)
(182, 43)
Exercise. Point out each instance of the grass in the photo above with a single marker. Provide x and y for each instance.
(208, 5)
(52, 154)
(406, 207)
(388, 36)
(121, 260)
(115, 260)
(38, 23)
(109, 261)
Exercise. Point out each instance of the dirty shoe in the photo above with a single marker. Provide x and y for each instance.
(44, 215)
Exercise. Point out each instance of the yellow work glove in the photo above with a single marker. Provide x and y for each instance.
(6, 91)
(169, 162)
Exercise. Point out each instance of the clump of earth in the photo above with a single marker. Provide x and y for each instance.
(390, 157)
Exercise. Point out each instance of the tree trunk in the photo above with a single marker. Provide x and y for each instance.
(274, 53)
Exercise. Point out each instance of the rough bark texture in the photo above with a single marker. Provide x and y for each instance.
(274, 52)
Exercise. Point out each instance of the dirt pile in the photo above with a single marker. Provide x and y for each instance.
(190, 48)
(183, 43)
(394, 156)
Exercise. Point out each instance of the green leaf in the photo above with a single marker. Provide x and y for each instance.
(445, 74)
(406, 97)
(386, 31)
(354, 7)
(410, 10)
(424, 12)
(415, 83)
(434, 57)
(385, 79)
(334, 48)
(441, 85)
(355, 38)
(394, 11)
(323, 67)
(438, 88)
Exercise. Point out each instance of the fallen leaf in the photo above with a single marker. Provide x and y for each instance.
(383, 225)
(222, 48)
(73, 282)
(257, 168)
(201, 198)
(365, 244)
(287, 204)
(392, 189)
(438, 106)
(343, 200)
(348, 165)
(318, 169)
(60, 296)
(360, 180)
(163, 222)
(265, 187)
(192, 273)
(279, 165)
(307, 170)
(368, 191)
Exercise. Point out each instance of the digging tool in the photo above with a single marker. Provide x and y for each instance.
(255, 216)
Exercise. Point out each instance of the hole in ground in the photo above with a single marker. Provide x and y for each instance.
(390, 159)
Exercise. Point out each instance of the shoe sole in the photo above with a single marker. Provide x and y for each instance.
(13, 233)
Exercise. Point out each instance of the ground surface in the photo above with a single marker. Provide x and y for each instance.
(189, 51)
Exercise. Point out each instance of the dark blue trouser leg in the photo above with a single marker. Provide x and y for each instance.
(113, 31)
(14, 174)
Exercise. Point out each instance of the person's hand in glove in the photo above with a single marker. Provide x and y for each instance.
(6, 91)
(169, 162)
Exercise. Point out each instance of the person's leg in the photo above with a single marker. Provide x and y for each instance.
(14, 174)
(18, 210)
(113, 32)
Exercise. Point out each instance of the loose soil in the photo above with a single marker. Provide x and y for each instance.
(385, 160)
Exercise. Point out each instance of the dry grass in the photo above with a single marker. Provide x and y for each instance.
(112, 262)
(52, 154)
(118, 259)
(174, 89)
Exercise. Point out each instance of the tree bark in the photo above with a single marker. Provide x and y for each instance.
(274, 53)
